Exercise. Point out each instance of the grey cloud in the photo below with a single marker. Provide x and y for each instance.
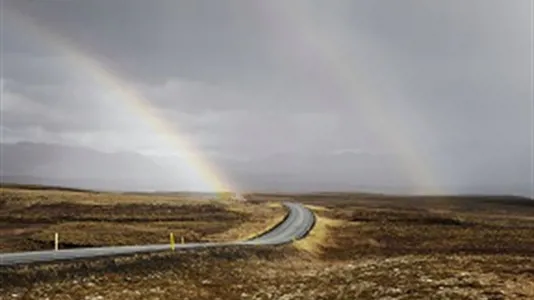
(37, 69)
(242, 79)
(246, 135)
(207, 39)
(199, 97)
(57, 109)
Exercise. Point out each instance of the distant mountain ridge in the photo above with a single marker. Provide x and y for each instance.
(81, 167)
(37, 163)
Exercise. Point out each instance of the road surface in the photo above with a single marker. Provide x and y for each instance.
(295, 226)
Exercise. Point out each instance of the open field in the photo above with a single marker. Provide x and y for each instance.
(362, 247)
(279, 273)
(30, 217)
(381, 225)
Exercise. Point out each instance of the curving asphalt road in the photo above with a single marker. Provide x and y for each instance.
(295, 226)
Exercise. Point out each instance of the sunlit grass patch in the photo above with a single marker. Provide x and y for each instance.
(320, 237)
(263, 217)
(317, 208)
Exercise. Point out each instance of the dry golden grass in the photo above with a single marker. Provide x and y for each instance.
(266, 218)
(274, 273)
(378, 225)
(78, 234)
(30, 218)
(273, 204)
(17, 197)
(320, 237)
(317, 208)
(363, 247)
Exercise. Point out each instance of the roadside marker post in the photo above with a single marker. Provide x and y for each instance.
(172, 241)
(183, 241)
(56, 241)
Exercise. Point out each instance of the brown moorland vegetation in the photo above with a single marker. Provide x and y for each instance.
(362, 247)
(30, 217)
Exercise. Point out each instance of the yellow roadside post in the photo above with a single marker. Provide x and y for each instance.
(172, 241)
(56, 241)
(183, 241)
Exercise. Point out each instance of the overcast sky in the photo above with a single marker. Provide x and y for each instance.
(443, 87)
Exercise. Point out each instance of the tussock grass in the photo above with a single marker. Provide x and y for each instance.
(273, 204)
(29, 218)
(77, 234)
(270, 215)
(317, 208)
(18, 197)
(260, 273)
(320, 237)
(391, 225)
(362, 247)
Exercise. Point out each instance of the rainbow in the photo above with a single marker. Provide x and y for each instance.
(132, 99)
(296, 25)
